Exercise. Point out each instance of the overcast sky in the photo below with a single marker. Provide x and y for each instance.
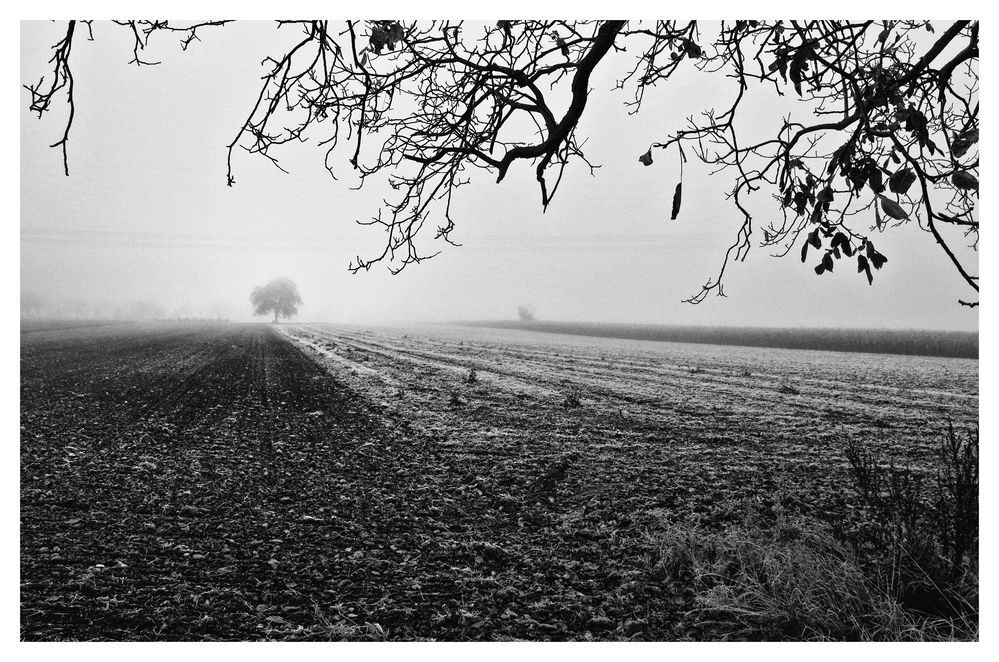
(146, 213)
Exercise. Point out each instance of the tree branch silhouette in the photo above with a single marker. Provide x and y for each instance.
(890, 134)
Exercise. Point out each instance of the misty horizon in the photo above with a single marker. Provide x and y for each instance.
(77, 310)
(145, 216)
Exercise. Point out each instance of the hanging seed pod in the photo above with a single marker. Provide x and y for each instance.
(893, 209)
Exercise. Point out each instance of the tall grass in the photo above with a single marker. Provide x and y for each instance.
(789, 581)
(903, 566)
(792, 581)
(921, 530)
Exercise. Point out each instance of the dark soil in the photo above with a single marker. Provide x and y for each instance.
(213, 482)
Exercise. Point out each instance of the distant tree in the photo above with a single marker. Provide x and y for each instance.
(280, 297)
(525, 313)
(886, 133)
(31, 304)
(83, 309)
(145, 310)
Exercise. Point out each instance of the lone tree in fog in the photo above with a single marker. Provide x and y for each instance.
(885, 132)
(280, 296)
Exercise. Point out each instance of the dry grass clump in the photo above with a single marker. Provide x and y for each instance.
(788, 389)
(791, 581)
(786, 582)
(901, 565)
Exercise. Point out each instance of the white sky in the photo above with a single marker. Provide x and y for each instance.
(146, 213)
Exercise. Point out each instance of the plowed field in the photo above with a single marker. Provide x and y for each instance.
(304, 482)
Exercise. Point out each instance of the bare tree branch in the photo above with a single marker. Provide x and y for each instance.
(886, 105)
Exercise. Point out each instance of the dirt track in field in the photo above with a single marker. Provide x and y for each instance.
(313, 482)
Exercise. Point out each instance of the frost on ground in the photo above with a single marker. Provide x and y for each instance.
(688, 398)
(317, 482)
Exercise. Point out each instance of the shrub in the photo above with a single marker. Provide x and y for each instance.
(920, 530)
(472, 376)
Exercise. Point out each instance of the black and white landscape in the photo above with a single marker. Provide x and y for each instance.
(506, 331)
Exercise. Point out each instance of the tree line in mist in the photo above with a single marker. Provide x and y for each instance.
(36, 306)
(960, 344)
